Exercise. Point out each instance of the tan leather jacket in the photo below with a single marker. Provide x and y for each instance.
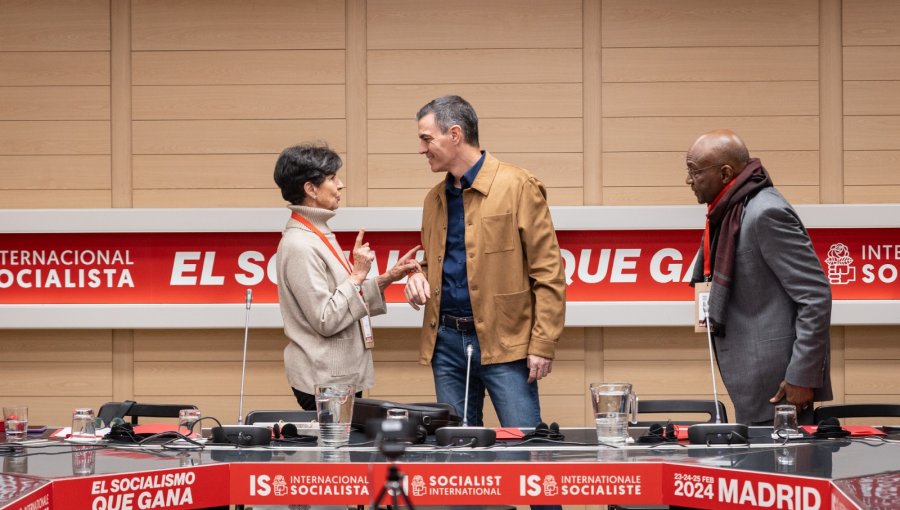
(516, 281)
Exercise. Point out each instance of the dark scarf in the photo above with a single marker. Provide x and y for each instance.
(725, 218)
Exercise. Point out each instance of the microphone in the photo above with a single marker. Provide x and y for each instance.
(240, 434)
(244, 358)
(718, 432)
(466, 435)
(465, 421)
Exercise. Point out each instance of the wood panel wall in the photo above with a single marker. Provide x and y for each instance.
(186, 103)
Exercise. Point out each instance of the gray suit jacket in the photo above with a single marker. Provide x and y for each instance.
(779, 312)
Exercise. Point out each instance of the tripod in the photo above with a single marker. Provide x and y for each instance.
(394, 487)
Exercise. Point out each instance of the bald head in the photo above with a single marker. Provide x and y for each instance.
(724, 146)
(714, 160)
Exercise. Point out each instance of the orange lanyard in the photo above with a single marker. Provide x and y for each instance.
(319, 233)
(707, 268)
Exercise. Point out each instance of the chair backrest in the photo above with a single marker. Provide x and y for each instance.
(135, 410)
(291, 416)
(856, 411)
(669, 407)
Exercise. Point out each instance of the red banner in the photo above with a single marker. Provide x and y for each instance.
(194, 268)
(198, 487)
(449, 484)
(699, 487)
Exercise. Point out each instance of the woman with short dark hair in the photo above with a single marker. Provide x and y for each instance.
(325, 300)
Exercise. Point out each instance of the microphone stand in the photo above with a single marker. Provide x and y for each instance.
(240, 419)
(718, 432)
(240, 434)
(465, 420)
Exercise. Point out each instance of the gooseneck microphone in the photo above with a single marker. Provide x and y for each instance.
(243, 434)
(240, 419)
(718, 432)
(465, 420)
(465, 435)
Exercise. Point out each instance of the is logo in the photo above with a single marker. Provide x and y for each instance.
(418, 486)
(550, 486)
(279, 486)
(840, 268)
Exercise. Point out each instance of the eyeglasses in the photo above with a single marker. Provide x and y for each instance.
(692, 174)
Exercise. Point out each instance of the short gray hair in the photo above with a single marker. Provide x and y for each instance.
(453, 111)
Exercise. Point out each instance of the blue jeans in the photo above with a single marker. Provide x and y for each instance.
(515, 400)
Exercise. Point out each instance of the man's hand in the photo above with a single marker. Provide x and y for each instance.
(797, 395)
(538, 368)
(417, 290)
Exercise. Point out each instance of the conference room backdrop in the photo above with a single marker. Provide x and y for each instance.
(186, 103)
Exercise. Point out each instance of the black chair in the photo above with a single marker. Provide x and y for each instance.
(293, 416)
(135, 410)
(707, 407)
(856, 411)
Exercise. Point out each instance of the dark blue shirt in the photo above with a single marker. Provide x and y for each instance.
(455, 281)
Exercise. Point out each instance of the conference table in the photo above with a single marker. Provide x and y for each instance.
(807, 473)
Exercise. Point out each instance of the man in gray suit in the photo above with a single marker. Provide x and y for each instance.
(770, 302)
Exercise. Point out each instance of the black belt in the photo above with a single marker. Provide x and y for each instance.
(465, 324)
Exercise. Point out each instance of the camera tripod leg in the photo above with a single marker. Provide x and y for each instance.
(394, 487)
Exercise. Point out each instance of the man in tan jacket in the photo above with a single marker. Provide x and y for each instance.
(492, 281)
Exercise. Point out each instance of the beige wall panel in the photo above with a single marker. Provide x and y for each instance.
(489, 100)
(218, 378)
(413, 197)
(395, 344)
(403, 378)
(658, 195)
(209, 198)
(653, 344)
(710, 99)
(203, 345)
(410, 24)
(722, 64)
(668, 168)
(398, 171)
(871, 22)
(663, 377)
(234, 136)
(496, 135)
(238, 102)
(277, 67)
(871, 97)
(660, 23)
(411, 378)
(871, 342)
(863, 168)
(29, 68)
(54, 137)
(54, 103)
(386, 67)
(402, 344)
(873, 377)
(871, 62)
(871, 194)
(54, 25)
(204, 171)
(236, 24)
(871, 399)
(54, 172)
(55, 199)
(56, 411)
(44, 378)
(225, 408)
(74, 345)
(881, 132)
(678, 133)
